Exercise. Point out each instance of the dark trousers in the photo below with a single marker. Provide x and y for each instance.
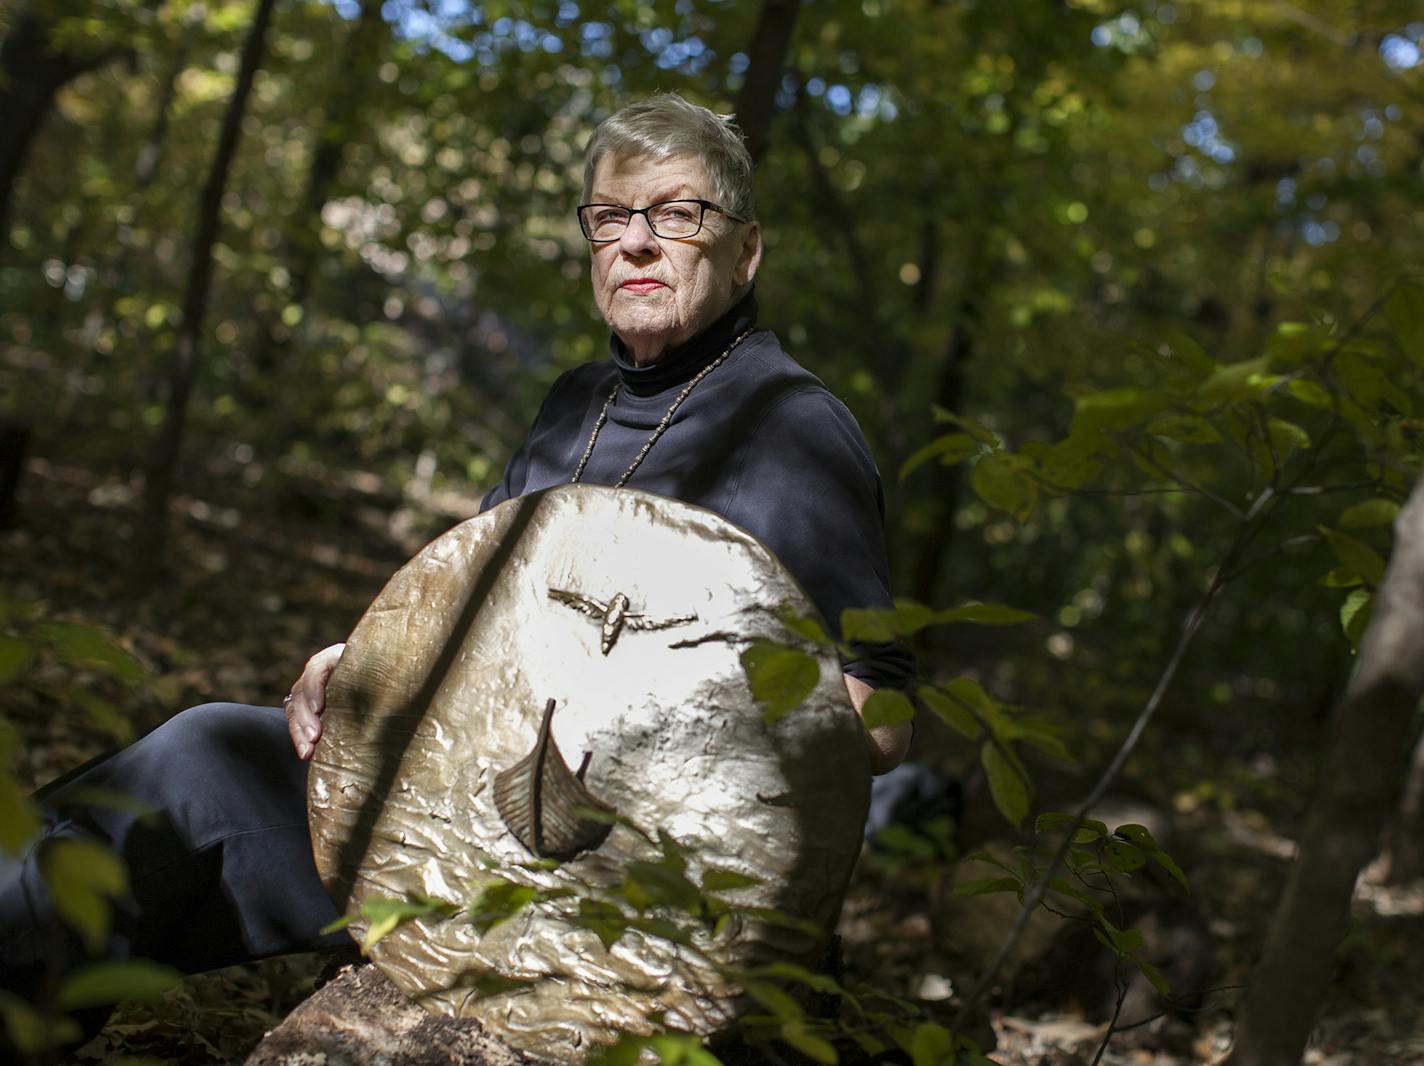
(220, 871)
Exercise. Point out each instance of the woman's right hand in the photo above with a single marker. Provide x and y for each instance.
(308, 699)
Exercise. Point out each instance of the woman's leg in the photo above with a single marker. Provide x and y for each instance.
(220, 871)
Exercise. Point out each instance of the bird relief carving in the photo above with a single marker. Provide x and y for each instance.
(614, 615)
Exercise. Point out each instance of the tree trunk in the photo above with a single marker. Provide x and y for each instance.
(756, 103)
(928, 564)
(32, 70)
(14, 436)
(361, 1017)
(187, 351)
(1357, 791)
(1406, 837)
(341, 115)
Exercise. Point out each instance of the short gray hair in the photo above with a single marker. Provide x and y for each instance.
(666, 125)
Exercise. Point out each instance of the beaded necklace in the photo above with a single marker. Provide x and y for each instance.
(661, 426)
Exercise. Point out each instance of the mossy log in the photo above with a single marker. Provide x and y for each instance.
(361, 1019)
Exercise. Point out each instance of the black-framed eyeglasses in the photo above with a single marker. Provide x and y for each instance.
(673, 219)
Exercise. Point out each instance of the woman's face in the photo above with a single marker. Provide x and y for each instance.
(656, 292)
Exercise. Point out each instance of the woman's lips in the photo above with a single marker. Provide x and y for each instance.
(642, 285)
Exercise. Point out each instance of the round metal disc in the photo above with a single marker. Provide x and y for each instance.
(443, 688)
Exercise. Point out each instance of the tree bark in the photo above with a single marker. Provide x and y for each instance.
(361, 1017)
(1357, 791)
(31, 72)
(1406, 837)
(756, 103)
(14, 437)
(187, 349)
(341, 115)
(944, 489)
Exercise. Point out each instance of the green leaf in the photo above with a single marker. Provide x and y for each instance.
(680, 1049)
(1190, 429)
(674, 854)
(602, 919)
(878, 625)
(81, 644)
(31, 1031)
(869, 1044)
(1340, 578)
(1405, 312)
(949, 449)
(780, 678)
(782, 920)
(1286, 437)
(1363, 381)
(647, 884)
(952, 706)
(774, 999)
(1124, 942)
(904, 841)
(15, 657)
(1236, 381)
(338, 923)
(1087, 899)
(1154, 977)
(1355, 555)
(1002, 481)
(1073, 462)
(1162, 859)
(1375, 512)
(1007, 786)
(1115, 409)
(1123, 857)
(985, 614)
(1295, 342)
(662, 928)
(1355, 615)
(1308, 392)
(113, 982)
(1039, 736)
(104, 715)
(1087, 829)
(790, 971)
(874, 625)
(386, 915)
(805, 627)
(497, 902)
(886, 706)
(718, 880)
(1191, 355)
(19, 820)
(977, 430)
(809, 1044)
(1152, 457)
(987, 885)
(83, 877)
(932, 1045)
(1137, 835)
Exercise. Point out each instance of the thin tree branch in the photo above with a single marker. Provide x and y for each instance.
(1191, 623)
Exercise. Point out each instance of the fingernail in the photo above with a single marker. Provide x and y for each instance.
(311, 731)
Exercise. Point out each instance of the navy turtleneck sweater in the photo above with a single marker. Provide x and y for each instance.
(761, 441)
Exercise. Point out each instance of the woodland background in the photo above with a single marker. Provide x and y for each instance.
(1127, 292)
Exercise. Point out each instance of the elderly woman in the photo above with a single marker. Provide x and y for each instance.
(694, 403)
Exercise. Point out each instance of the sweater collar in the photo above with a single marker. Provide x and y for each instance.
(681, 365)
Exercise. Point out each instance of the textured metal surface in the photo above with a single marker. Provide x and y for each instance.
(443, 685)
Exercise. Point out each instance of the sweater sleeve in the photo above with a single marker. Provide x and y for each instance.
(809, 490)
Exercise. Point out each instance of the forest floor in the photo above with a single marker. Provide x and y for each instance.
(254, 589)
